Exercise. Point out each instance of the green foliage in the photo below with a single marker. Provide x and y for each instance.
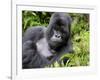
(32, 18)
(80, 35)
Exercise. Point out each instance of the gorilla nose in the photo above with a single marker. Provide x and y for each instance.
(58, 36)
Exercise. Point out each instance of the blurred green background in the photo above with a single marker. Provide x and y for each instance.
(79, 32)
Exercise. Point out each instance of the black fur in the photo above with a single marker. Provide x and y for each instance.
(31, 57)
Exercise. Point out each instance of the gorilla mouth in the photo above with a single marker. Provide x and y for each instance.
(54, 44)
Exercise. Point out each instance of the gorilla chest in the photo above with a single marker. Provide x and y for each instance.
(43, 48)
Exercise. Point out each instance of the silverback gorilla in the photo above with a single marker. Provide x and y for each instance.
(42, 46)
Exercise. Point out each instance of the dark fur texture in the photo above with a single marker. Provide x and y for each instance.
(31, 58)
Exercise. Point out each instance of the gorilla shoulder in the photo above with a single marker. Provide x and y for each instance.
(34, 33)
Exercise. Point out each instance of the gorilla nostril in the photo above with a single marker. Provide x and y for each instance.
(56, 35)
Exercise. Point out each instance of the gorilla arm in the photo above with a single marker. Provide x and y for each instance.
(31, 58)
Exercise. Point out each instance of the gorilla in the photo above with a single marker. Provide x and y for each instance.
(43, 46)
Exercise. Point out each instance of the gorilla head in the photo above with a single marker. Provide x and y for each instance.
(58, 32)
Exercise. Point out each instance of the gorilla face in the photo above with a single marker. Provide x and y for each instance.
(56, 37)
(58, 31)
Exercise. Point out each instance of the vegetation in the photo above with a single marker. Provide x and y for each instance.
(80, 35)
